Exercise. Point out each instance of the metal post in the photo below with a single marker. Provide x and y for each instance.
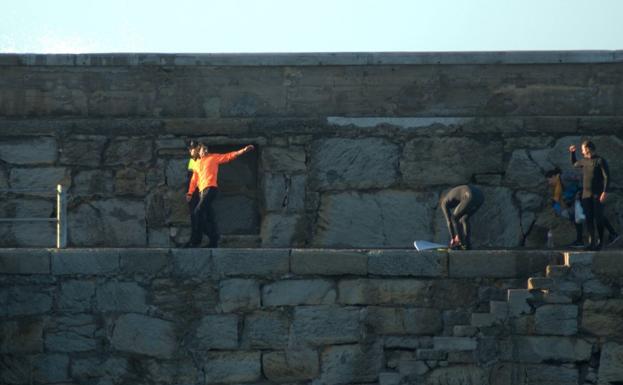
(61, 217)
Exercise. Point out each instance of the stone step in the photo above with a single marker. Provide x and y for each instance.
(541, 283)
(464, 330)
(578, 258)
(517, 300)
(482, 320)
(499, 309)
(557, 271)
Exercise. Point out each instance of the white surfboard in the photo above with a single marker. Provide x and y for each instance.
(426, 245)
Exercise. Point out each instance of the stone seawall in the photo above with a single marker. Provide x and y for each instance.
(353, 150)
(261, 316)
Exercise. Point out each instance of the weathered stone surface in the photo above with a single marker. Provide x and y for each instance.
(128, 151)
(497, 222)
(467, 375)
(389, 218)
(561, 320)
(340, 163)
(290, 159)
(388, 320)
(111, 222)
(283, 192)
(603, 318)
(561, 349)
(266, 330)
(76, 296)
(75, 333)
(449, 160)
(15, 261)
(83, 150)
(496, 263)
(408, 342)
(143, 261)
(608, 263)
(236, 214)
(290, 365)
(455, 343)
(185, 299)
(228, 262)
(298, 292)
(611, 364)
(50, 368)
(329, 262)
(130, 181)
(281, 230)
(93, 182)
(217, 332)
(24, 336)
(84, 261)
(412, 263)
(523, 172)
(239, 294)
(15, 369)
(321, 325)
(351, 363)
(384, 291)
(232, 367)
(41, 150)
(40, 178)
(25, 300)
(176, 171)
(126, 297)
(178, 371)
(140, 334)
(192, 262)
(105, 369)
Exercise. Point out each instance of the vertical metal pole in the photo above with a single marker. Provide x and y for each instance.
(61, 217)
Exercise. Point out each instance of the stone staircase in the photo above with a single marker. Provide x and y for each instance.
(540, 335)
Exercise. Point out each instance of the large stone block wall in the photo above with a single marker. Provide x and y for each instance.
(310, 316)
(353, 150)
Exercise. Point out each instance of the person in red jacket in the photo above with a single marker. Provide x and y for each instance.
(205, 179)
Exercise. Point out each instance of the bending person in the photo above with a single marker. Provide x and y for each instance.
(206, 180)
(458, 206)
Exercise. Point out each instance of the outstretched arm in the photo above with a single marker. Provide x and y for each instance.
(228, 157)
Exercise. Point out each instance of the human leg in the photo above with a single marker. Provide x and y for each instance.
(589, 212)
(210, 217)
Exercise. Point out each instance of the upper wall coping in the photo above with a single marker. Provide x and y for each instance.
(312, 59)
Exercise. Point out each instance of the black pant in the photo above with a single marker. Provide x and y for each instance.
(192, 203)
(205, 219)
(594, 211)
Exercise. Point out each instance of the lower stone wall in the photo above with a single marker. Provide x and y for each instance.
(260, 316)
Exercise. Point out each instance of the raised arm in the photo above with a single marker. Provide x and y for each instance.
(228, 157)
(574, 160)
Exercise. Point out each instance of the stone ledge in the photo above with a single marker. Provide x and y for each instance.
(225, 262)
(310, 59)
(24, 261)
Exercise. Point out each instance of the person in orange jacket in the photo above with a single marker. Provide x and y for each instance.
(205, 179)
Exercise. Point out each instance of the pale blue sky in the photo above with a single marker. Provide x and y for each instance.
(83, 26)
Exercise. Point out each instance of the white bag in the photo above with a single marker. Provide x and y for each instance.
(579, 212)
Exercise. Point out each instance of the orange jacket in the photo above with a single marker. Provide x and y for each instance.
(206, 170)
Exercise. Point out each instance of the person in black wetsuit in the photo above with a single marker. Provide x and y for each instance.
(595, 180)
(458, 206)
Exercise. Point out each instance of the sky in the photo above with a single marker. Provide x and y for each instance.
(228, 26)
